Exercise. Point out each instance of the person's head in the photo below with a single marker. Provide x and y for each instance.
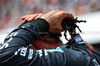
(54, 19)
(50, 38)
(48, 41)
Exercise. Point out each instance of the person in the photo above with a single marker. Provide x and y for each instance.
(29, 18)
(16, 48)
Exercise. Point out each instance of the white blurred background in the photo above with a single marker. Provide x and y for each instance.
(11, 12)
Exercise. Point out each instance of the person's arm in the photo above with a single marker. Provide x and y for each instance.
(15, 50)
(20, 39)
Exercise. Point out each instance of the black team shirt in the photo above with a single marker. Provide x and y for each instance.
(15, 50)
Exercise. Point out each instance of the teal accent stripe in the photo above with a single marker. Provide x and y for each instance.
(57, 49)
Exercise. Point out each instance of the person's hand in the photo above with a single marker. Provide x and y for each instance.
(54, 18)
(31, 17)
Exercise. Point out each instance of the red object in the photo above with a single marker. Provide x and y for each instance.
(90, 52)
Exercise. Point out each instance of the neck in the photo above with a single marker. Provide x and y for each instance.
(50, 44)
(50, 40)
(47, 42)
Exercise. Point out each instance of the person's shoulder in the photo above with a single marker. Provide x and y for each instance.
(72, 51)
(73, 55)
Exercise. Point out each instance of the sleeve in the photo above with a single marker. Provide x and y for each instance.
(15, 50)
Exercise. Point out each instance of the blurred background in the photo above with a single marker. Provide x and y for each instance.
(11, 12)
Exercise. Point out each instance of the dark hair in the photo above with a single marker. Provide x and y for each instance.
(69, 25)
